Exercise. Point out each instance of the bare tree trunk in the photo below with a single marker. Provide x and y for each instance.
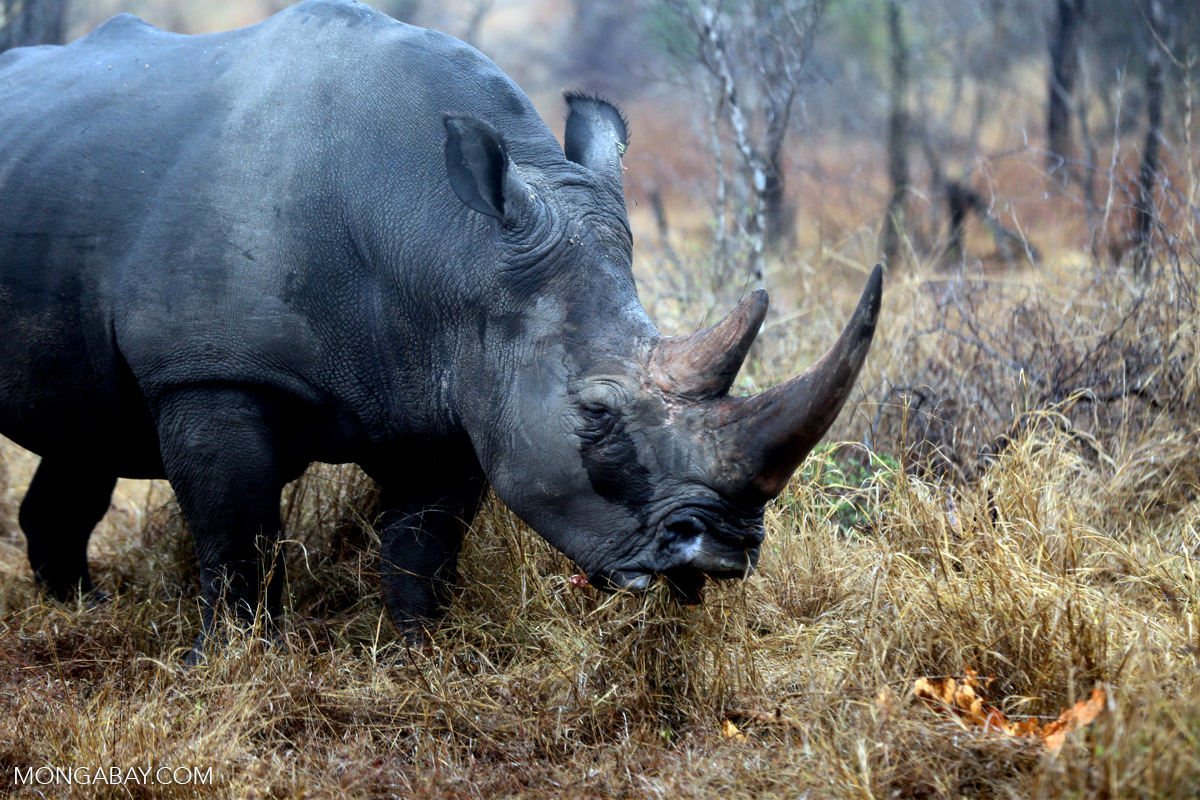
(29, 22)
(1144, 211)
(782, 81)
(958, 201)
(962, 200)
(766, 43)
(893, 226)
(721, 202)
(1089, 151)
(923, 131)
(664, 228)
(780, 212)
(1064, 69)
(755, 222)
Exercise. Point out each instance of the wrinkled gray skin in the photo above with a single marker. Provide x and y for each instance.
(333, 237)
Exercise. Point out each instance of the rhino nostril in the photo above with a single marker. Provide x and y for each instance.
(682, 527)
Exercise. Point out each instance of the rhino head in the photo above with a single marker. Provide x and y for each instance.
(622, 447)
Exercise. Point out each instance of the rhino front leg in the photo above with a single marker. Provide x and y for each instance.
(421, 531)
(63, 504)
(228, 466)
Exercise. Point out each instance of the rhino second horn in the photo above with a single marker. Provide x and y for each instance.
(702, 365)
(763, 438)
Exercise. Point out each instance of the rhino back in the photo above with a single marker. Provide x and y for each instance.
(266, 206)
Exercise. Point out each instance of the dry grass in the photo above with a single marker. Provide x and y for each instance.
(1017, 525)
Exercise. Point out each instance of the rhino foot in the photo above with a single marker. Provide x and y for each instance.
(69, 594)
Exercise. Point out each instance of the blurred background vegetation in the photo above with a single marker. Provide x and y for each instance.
(786, 126)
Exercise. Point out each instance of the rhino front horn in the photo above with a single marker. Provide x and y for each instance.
(702, 365)
(763, 438)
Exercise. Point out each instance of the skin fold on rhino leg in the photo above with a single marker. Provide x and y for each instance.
(63, 504)
(223, 458)
(421, 529)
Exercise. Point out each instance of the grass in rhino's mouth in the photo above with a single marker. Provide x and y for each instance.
(687, 586)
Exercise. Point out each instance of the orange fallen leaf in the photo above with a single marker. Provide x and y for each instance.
(1054, 734)
(731, 731)
(964, 698)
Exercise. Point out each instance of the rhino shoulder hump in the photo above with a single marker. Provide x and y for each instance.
(328, 10)
(122, 27)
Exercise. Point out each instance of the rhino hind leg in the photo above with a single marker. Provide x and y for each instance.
(420, 534)
(225, 462)
(63, 504)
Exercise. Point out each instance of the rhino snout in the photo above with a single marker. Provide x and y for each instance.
(693, 545)
(701, 544)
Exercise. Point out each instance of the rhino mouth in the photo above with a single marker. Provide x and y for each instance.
(694, 542)
(686, 581)
(629, 581)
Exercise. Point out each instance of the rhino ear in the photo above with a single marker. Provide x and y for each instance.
(596, 134)
(479, 169)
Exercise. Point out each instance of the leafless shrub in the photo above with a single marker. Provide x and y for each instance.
(1001, 357)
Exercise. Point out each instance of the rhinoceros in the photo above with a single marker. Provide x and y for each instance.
(334, 237)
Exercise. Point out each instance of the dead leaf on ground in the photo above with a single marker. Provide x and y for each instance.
(964, 697)
(1082, 713)
(731, 731)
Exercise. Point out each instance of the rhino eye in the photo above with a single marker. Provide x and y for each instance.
(598, 420)
(595, 411)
